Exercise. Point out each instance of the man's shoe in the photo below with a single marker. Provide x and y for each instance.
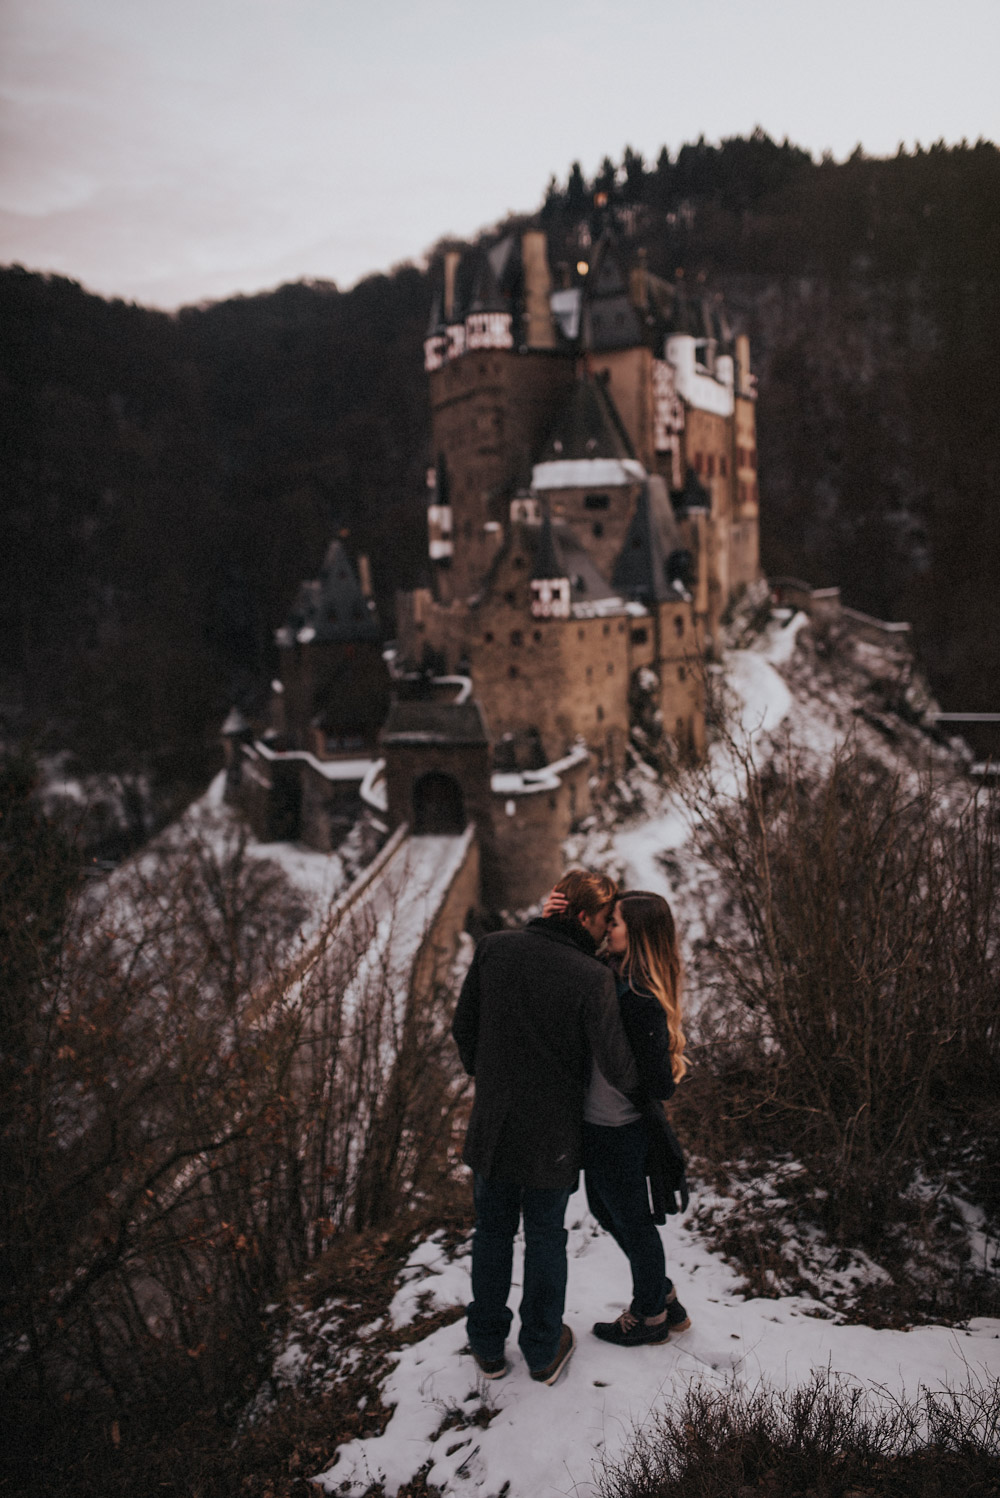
(549, 1374)
(629, 1331)
(491, 1367)
(678, 1319)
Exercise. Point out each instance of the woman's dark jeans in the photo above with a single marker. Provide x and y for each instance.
(499, 1207)
(615, 1172)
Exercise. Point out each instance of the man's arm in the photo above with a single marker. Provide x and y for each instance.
(611, 1050)
(465, 1025)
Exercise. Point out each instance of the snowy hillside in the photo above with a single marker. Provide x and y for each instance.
(513, 1437)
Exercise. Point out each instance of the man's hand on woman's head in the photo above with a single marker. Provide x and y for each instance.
(555, 903)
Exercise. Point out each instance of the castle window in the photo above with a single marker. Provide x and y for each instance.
(512, 671)
(678, 624)
(518, 561)
(516, 637)
(723, 464)
(607, 629)
(590, 673)
(600, 713)
(752, 458)
(488, 637)
(510, 596)
(639, 636)
(621, 629)
(611, 668)
(597, 501)
(710, 472)
(681, 673)
(537, 636)
(579, 634)
(598, 528)
(699, 463)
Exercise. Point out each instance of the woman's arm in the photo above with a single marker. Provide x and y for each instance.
(649, 1036)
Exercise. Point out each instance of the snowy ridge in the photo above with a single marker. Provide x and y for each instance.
(549, 1441)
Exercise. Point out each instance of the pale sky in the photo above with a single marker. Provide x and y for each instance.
(171, 151)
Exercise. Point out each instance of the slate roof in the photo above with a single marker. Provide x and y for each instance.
(609, 320)
(486, 294)
(435, 723)
(649, 564)
(587, 426)
(331, 608)
(586, 583)
(677, 307)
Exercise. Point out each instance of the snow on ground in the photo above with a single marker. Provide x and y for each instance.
(320, 877)
(759, 702)
(544, 1441)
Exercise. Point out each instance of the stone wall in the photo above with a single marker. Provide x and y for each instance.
(437, 950)
(529, 826)
(490, 413)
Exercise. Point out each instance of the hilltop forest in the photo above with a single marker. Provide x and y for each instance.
(169, 479)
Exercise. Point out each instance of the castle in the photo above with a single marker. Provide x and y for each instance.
(592, 512)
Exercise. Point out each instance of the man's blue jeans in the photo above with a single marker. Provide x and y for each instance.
(499, 1207)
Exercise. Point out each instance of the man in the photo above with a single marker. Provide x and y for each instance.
(535, 1007)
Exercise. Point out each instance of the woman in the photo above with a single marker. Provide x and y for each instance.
(641, 945)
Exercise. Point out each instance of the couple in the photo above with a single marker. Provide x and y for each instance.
(570, 1055)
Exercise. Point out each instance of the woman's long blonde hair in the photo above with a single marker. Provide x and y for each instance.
(653, 962)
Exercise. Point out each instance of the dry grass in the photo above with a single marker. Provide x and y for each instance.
(828, 1439)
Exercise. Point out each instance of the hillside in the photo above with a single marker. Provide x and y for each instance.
(169, 480)
(238, 1250)
(777, 1303)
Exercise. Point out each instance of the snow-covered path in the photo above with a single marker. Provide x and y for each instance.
(548, 1441)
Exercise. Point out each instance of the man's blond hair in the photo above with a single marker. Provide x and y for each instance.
(586, 894)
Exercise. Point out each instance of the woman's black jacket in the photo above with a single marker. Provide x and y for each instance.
(645, 1025)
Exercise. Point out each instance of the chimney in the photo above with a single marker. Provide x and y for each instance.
(451, 259)
(539, 329)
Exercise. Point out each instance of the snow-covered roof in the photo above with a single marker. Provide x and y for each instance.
(330, 769)
(587, 473)
(530, 782)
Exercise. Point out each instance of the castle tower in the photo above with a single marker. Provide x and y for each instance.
(588, 471)
(497, 372)
(336, 684)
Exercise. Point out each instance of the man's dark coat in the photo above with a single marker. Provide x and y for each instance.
(535, 1007)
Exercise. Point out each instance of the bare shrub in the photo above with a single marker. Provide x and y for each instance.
(863, 1037)
(193, 1104)
(829, 1438)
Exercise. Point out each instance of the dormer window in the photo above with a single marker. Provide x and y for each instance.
(550, 597)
